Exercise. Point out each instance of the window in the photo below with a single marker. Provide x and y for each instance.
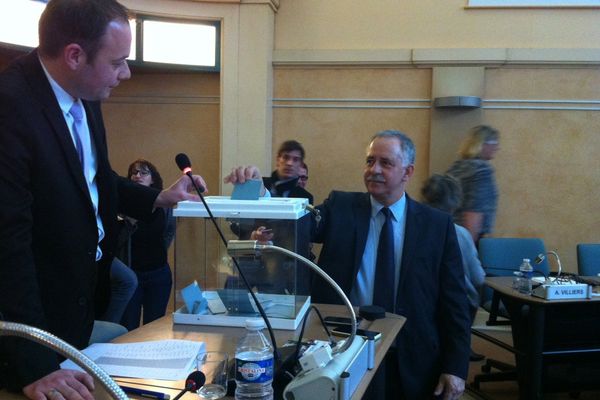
(18, 22)
(189, 44)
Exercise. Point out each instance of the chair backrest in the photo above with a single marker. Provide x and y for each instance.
(503, 256)
(588, 259)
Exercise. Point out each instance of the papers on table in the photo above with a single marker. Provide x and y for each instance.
(163, 359)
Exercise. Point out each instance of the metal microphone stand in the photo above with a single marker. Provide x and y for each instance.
(63, 348)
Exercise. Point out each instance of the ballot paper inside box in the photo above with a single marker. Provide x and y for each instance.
(280, 282)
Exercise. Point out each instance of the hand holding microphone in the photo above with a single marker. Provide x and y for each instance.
(180, 190)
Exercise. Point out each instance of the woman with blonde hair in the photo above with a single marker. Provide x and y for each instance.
(477, 212)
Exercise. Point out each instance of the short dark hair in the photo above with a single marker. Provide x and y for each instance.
(291, 145)
(157, 181)
(442, 192)
(77, 21)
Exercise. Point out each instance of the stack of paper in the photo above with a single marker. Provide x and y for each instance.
(163, 359)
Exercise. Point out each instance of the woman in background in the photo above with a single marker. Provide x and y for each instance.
(477, 212)
(146, 253)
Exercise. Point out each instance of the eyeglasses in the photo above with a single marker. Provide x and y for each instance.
(141, 172)
(303, 177)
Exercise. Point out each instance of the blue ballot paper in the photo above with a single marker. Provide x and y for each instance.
(249, 190)
(194, 299)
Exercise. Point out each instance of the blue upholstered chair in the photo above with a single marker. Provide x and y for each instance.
(588, 259)
(502, 257)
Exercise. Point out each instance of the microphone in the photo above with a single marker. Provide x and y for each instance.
(541, 257)
(194, 381)
(185, 165)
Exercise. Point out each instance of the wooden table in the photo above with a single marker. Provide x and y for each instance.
(226, 338)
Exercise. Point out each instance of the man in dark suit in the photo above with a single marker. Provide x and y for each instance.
(431, 355)
(59, 196)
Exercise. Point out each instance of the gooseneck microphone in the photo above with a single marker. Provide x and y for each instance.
(184, 164)
(194, 381)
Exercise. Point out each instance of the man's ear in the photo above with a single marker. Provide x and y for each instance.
(74, 56)
(408, 172)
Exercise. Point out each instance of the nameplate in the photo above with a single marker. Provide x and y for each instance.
(561, 292)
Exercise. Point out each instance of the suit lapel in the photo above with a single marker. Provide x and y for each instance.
(43, 91)
(411, 238)
(362, 212)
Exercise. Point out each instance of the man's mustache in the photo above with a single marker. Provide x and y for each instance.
(376, 178)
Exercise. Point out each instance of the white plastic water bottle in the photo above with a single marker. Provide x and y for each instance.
(526, 274)
(254, 364)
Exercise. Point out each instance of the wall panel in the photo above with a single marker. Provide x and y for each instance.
(333, 112)
(548, 169)
(156, 116)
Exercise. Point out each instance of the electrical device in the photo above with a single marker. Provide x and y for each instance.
(558, 287)
(339, 377)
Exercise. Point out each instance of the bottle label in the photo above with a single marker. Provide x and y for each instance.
(260, 371)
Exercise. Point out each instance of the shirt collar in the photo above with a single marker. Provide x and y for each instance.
(65, 100)
(397, 208)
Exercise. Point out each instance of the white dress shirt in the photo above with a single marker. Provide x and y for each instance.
(90, 167)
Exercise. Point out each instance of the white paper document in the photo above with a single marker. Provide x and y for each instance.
(163, 359)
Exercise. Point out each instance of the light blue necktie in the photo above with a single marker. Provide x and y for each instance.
(76, 112)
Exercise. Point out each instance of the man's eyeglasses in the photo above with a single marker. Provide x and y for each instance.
(141, 172)
(303, 177)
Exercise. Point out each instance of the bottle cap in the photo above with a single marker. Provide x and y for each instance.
(255, 323)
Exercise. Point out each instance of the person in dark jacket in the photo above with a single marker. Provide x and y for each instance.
(147, 246)
(283, 182)
(60, 196)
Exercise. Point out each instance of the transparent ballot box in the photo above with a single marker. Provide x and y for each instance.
(280, 282)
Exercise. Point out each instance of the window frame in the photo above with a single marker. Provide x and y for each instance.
(139, 37)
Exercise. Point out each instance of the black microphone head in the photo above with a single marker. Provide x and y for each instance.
(195, 380)
(183, 161)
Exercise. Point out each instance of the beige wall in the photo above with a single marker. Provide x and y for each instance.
(335, 134)
(392, 24)
(349, 51)
(157, 115)
(547, 168)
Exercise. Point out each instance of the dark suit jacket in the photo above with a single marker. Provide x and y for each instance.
(295, 190)
(48, 233)
(431, 293)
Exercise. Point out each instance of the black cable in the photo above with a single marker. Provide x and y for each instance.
(299, 343)
(261, 311)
